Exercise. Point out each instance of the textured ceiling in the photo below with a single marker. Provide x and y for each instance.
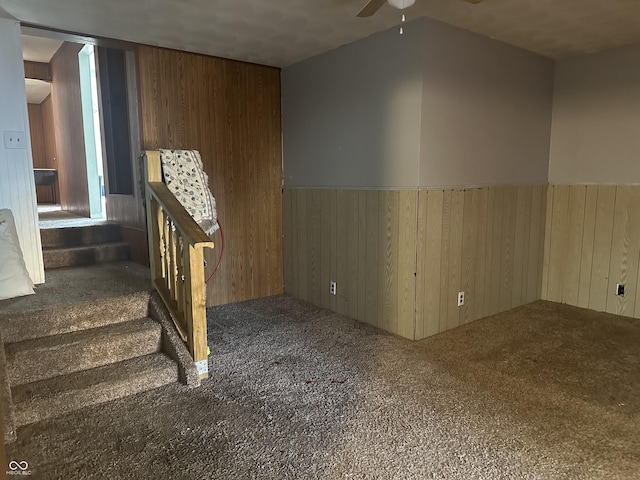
(281, 32)
(39, 49)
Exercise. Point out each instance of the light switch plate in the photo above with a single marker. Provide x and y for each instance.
(14, 140)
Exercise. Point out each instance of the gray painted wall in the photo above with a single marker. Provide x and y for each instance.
(596, 119)
(351, 117)
(438, 106)
(486, 111)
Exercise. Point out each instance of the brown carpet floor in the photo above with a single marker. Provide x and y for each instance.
(66, 286)
(541, 392)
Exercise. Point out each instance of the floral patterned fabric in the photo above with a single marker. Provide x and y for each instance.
(186, 179)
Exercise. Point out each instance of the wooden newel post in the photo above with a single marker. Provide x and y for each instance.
(196, 310)
(153, 173)
(176, 244)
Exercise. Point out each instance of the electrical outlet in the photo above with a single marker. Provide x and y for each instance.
(333, 288)
(14, 140)
(620, 289)
(460, 299)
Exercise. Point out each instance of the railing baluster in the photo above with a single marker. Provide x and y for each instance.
(161, 222)
(176, 258)
(171, 277)
(179, 273)
(167, 259)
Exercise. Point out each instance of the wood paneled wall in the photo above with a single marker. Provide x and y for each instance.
(362, 239)
(36, 129)
(39, 147)
(51, 156)
(230, 112)
(37, 71)
(593, 243)
(400, 257)
(69, 136)
(486, 242)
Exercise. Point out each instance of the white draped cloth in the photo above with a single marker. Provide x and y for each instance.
(185, 177)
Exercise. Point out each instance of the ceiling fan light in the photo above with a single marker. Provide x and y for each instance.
(401, 4)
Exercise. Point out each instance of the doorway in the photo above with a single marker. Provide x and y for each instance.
(80, 126)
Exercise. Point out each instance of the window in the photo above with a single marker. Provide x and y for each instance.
(112, 71)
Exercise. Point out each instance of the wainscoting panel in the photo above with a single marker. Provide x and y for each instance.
(485, 242)
(364, 240)
(400, 257)
(592, 245)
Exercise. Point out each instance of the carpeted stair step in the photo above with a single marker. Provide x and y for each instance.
(75, 317)
(79, 236)
(47, 357)
(48, 398)
(85, 255)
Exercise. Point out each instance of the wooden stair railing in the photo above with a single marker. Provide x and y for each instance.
(176, 244)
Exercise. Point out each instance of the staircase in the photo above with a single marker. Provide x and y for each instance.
(93, 332)
(85, 245)
(66, 358)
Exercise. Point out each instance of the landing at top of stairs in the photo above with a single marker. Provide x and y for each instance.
(91, 283)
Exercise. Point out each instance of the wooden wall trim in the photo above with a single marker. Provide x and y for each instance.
(37, 71)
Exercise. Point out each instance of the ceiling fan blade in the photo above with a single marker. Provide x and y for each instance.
(473, 1)
(371, 7)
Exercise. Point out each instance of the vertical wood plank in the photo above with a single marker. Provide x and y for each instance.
(372, 235)
(588, 236)
(486, 310)
(342, 251)
(469, 249)
(294, 243)
(523, 217)
(560, 213)
(544, 294)
(508, 243)
(573, 254)
(496, 255)
(388, 203)
(362, 256)
(328, 267)
(432, 311)
(602, 247)
(333, 266)
(314, 245)
(301, 221)
(353, 254)
(287, 254)
(421, 261)
(482, 228)
(625, 250)
(545, 200)
(526, 225)
(407, 262)
(536, 244)
(445, 267)
(455, 257)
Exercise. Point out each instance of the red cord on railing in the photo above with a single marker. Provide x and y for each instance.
(221, 252)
